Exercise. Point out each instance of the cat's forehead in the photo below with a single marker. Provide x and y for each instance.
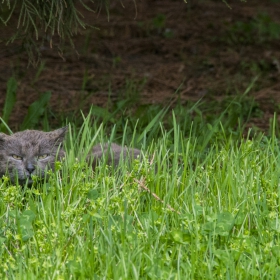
(27, 141)
(30, 136)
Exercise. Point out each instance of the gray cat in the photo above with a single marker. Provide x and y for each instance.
(33, 152)
(113, 153)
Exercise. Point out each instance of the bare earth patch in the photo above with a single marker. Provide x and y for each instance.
(201, 49)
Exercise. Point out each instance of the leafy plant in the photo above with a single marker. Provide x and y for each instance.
(201, 203)
(9, 103)
(206, 213)
(35, 111)
(258, 30)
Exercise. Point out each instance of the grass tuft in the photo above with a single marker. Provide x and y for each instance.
(202, 204)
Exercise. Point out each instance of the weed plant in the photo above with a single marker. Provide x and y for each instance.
(259, 30)
(202, 203)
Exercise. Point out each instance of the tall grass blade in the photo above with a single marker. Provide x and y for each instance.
(6, 126)
(35, 111)
(153, 124)
(9, 103)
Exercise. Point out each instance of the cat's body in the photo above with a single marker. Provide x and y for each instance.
(112, 153)
(33, 152)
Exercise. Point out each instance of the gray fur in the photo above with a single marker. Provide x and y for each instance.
(29, 145)
(113, 154)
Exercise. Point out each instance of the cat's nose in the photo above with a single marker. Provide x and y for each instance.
(30, 167)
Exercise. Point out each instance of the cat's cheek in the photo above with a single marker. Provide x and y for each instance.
(16, 172)
(17, 175)
(42, 169)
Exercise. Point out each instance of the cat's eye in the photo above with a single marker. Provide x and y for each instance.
(17, 157)
(43, 156)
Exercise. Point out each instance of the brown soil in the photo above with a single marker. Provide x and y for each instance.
(203, 48)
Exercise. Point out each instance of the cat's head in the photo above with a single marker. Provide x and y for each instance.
(30, 152)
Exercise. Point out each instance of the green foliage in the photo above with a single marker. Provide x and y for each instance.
(36, 110)
(9, 103)
(210, 211)
(202, 203)
(159, 21)
(156, 27)
(258, 30)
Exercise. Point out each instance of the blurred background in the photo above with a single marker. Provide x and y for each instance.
(148, 52)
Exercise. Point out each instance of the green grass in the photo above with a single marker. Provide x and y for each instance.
(258, 30)
(210, 211)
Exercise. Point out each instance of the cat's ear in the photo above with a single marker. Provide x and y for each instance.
(2, 136)
(59, 134)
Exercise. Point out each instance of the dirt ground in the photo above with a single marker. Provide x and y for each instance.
(199, 49)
